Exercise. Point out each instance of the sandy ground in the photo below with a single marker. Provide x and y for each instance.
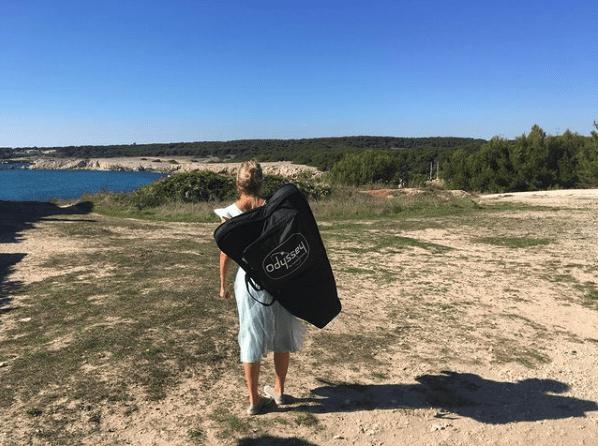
(440, 382)
(563, 198)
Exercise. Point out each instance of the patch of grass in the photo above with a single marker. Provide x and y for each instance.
(146, 316)
(508, 351)
(358, 350)
(591, 291)
(382, 236)
(231, 425)
(34, 412)
(358, 271)
(514, 242)
(520, 346)
(195, 435)
(401, 242)
(561, 278)
(349, 204)
(590, 294)
(170, 212)
(342, 204)
(525, 322)
(307, 419)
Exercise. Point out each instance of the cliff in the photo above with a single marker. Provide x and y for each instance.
(283, 168)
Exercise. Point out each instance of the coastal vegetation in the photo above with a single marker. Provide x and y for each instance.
(190, 190)
(169, 200)
(534, 161)
(411, 157)
(322, 153)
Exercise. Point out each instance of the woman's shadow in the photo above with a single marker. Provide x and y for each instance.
(453, 394)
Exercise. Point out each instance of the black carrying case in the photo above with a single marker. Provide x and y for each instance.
(280, 248)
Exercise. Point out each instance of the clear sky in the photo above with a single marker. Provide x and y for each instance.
(78, 72)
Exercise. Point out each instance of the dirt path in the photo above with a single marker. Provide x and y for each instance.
(446, 337)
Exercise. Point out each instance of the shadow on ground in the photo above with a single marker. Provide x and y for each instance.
(454, 395)
(15, 218)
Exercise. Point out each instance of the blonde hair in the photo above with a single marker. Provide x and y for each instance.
(250, 178)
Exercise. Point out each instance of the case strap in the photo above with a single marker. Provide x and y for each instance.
(249, 281)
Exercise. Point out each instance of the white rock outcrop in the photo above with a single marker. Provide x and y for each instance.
(282, 168)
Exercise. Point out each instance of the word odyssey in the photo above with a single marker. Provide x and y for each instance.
(287, 257)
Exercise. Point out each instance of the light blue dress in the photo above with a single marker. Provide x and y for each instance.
(262, 328)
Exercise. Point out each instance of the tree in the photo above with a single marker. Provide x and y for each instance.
(456, 170)
(564, 159)
(491, 167)
(364, 167)
(587, 159)
(530, 156)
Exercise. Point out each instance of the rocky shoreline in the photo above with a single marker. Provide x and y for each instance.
(170, 165)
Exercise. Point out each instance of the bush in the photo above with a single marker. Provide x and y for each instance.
(311, 190)
(192, 187)
(204, 186)
(531, 162)
(362, 168)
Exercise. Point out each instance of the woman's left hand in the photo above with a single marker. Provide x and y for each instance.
(224, 293)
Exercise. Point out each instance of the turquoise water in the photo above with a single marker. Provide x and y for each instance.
(45, 185)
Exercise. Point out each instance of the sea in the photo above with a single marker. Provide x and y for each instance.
(18, 183)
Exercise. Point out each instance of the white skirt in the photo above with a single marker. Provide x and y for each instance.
(264, 328)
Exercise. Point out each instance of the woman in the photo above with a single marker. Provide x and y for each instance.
(262, 328)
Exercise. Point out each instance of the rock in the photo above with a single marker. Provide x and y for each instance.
(282, 168)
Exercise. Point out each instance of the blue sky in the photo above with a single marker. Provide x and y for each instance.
(77, 72)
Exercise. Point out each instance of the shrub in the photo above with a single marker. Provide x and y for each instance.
(313, 191)
(191, 187)
(203, 186)
(361, 168)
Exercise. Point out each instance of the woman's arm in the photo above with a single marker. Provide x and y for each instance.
(224, 264)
